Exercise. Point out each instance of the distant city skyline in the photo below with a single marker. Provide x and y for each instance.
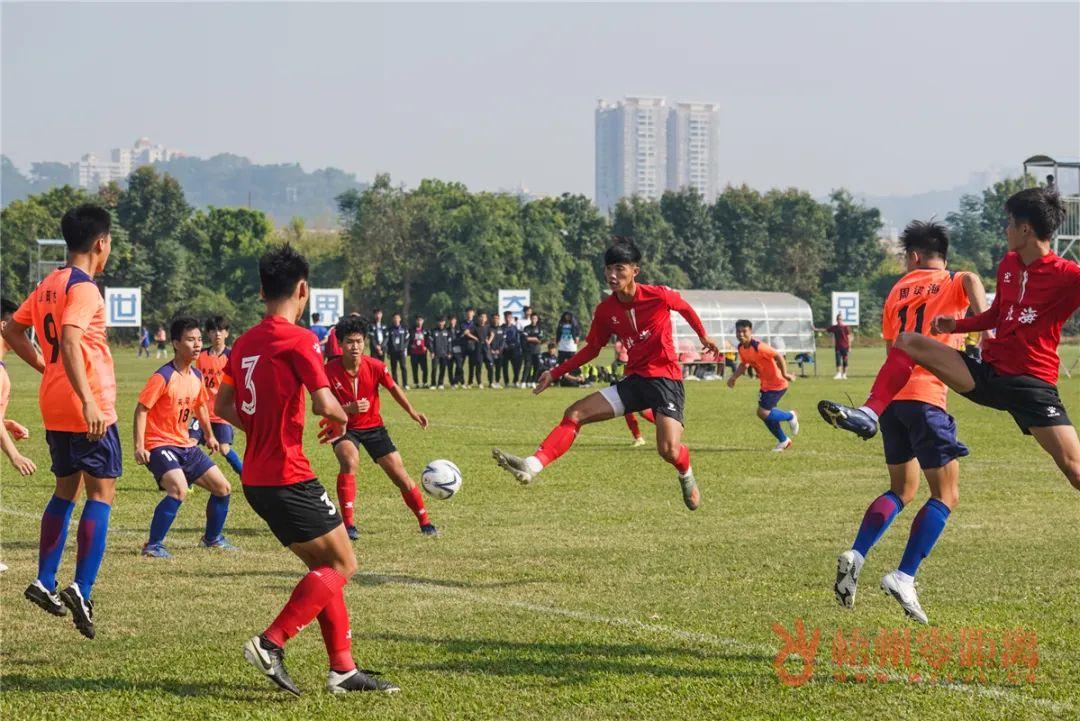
(508, 97)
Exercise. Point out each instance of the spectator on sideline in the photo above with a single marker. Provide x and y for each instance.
(377, 336)
(397, 347)
(498, 343)
(534, 339)
(419, 345)
(841, 334)
(511, 349)
(159, 338)
(442, 338)
(483, 349)
(144, 343)
(320, 331)
(525, 318)
(567, 334)
(548, 360)
(457, 353)
(469, 341)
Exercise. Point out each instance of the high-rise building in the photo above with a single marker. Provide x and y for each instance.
(95, 171)
(644, 147)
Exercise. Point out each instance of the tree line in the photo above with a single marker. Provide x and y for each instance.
(438, 248)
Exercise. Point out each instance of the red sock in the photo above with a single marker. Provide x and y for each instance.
(648, 415)
(893, 376)
(346, 494)
(415, 502)
(682, 463)
(336, 634)
(310, 596)
(558, 441)
(632, 424)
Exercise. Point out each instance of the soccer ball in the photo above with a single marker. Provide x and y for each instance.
(441, 479)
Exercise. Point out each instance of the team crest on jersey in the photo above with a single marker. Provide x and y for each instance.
(1028, 315)
(614, 320)
(1007, 278)
(1009, 315)
(317, 347)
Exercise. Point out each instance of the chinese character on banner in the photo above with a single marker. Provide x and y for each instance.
(514, 301)
(845, 305)
(329, 303)
(123, 307)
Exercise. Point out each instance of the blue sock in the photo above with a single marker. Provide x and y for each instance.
(775, 429)
(164, 515)
(877, 518)
(925, 529)
(217, 508)
(93, 528)
(54, 530)
(777, 415)
(234, 460)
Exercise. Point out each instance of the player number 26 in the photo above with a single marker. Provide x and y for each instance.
(247, 364)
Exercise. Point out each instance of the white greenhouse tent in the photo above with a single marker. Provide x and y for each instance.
(782, 320)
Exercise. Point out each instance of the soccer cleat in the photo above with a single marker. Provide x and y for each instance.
(690, 494)
(43, 598)
(904, 593)
(3, 567)
(838, 376)
(270, 660)
(354, 534)
(793, 424)
(783, 446)
(82, 609)
(155, 550)
(428, 529)
(638, 442)
(221, 543)
(848, 567)
(848, 419)
(514, 464)
(357, 680)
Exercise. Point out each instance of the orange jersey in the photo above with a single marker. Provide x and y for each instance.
(212, 367)
(171, 398)
(913, 302)
(68, 296)
(760, 356)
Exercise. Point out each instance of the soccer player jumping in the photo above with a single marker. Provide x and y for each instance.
(916, 429)
(262, 392)
(640, 316)
(1036, 293)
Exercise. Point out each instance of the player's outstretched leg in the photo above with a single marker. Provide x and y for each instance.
(669, 445)
(910, 349)
(217, 509)
(590, 409)
(394, 468)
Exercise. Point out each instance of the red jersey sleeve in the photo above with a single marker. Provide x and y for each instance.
(594, 343)
(153, 390)
(383, 376)
(308, 364)
(677, 303)
(983, 321)
(83, 301)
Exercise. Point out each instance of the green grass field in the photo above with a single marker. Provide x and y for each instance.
(592, 594)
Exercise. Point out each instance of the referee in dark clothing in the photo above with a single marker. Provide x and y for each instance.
(534, 342)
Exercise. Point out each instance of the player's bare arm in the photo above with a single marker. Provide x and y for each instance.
(781, 363)
(142, 456)
(22, 464)
(16, 337)
(736, 375)
(75, 367)
(403, 401)
(225, 406)
(323, 403)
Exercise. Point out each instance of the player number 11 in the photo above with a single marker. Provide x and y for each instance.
(919, 313)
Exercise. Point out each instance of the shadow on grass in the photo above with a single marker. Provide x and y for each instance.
(383, 579)
(579, 663)
(20, 683)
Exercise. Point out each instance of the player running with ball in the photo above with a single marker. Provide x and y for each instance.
(640, 316)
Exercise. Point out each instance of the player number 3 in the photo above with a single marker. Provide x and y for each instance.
(247, 364)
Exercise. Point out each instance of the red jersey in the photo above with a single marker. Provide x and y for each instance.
(365, 384)
(269, 367)
(643, 326)
(333, 347)
(212, 367)
(171, 399)
(1031, 304)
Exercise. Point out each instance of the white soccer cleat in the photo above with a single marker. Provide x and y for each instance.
(904, 593)
(638, 442)
(848, 567)
(516, 465)
(782, 446)
(793, 424)
(838, 377)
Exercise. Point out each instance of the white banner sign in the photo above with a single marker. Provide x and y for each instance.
(514, 301)
(123, 307)
(329, 303)
(845, 305)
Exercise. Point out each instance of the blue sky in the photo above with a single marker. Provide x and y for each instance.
(880, 98)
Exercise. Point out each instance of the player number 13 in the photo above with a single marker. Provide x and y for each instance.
(247, 364)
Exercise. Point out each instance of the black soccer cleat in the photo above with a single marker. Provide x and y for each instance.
(44, 599)
(848, 419)
(357, 680)
(354, 533)
(429, 529)
(82, 609)
(270, 660)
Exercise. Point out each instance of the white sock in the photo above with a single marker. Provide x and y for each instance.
(858, 556)
(689, 472)
(904, 578)
(533, 464)
(870, 412)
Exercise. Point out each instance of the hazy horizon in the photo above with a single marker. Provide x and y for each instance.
(882, 99)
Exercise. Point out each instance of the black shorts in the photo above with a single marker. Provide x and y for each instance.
(1032, 402)
(636, 393)
(297, 512)
(376, 441)
(841, 355)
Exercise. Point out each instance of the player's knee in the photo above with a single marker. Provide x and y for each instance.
(573, 414)
(346, 565)
(950, 497)
(178, 491)
(222, 488)
(907, 340)
(668, 451)
(762, 413)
